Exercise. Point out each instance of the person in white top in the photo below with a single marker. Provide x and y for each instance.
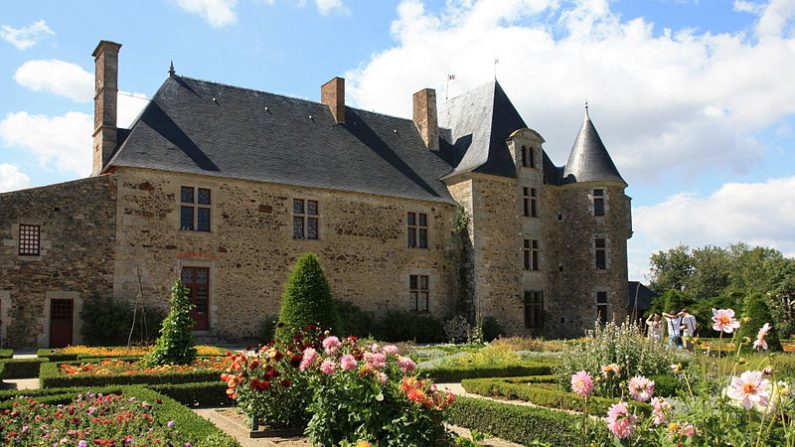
(689, 328)
(655, 327)
(674, 321)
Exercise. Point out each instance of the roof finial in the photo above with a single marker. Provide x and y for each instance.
(171, 71)
(586, 108)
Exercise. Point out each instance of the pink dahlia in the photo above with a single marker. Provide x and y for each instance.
(347, 362)
(331, 344)
(376, 361)
(581, 383)
(661, 410)
(641, 388)
(390, 349)
(328, 366)
(760, 342)
(406, 364)
(750, 390)
(619, 421)
(309, 357)
(724, 320)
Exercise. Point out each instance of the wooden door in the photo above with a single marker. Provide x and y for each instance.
(197, 280)
(61, 323)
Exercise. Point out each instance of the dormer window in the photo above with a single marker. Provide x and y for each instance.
(528, 157)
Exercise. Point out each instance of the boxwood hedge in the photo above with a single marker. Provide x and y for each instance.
(50, 376)
(20, 368)
(458, 373)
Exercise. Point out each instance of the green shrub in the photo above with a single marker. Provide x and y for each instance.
(516, 423)
(353, 320)
(107, 321)
(401, 325)
(175, 344)
(53, 355)
(625, 345)
(20, 368)
(542, 395)
(50, 376)
(6, 353)
(755, 315)
(492, 329)
(306, 299)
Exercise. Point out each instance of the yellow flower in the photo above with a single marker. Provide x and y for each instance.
(676, 368)
(364, 444)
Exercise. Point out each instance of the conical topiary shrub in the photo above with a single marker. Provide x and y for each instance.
(306, 299)
(755, 315)
(175, 344)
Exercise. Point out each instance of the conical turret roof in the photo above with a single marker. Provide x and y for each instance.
(589, 160)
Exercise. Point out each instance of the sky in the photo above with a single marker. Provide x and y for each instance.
(694, 99)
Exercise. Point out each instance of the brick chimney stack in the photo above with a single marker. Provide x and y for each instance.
(106, 75)
(425, 117)
(332, 94)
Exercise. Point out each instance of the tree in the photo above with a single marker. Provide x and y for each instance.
(306, 299)
(671, 269)
(175, 344)
(712, 268)
(755, 315)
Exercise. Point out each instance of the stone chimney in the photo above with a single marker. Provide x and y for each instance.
(332, 94)
(106, 75)
(425, 117)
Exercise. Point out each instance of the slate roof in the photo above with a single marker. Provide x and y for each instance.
(589, 160)
(213, 129)
(208, 128)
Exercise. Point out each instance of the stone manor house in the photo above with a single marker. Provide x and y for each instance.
(226, 186)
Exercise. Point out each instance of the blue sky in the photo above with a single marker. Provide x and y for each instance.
(694, 99)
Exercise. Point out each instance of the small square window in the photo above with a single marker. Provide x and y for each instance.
(29, 240)
(204, 196)
(186, 194)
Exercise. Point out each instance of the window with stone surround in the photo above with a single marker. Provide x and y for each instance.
(29, 240)
(196, 208)
(417, 230)
(529, 202)
(531, 254)
(600, 253)
(598, 202)
(601, 307)
(533, 309)
(306, 219)
(528, 157)
(418, 293)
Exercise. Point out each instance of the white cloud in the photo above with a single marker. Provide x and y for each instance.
(217, 13)
(329, 6)
(56, 76)
(756, 213)
(62, 142)
(11, 178)
(26, 37)
(664, 102)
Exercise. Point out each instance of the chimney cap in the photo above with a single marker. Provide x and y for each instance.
(103, 44)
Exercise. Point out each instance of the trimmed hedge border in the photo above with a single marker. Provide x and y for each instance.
(51, 355)
(6, 353)
(199, 394)
(51, 377)
(521, 389)
(195, 428)
(456, 374)
(516, 423)
(20, 368)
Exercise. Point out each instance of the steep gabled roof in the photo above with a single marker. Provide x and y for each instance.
(480, 121)
(206, 128)
(589, 160)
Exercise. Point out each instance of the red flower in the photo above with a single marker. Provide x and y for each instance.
(286, 382)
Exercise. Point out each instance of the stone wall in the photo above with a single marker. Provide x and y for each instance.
(78, 225)
(250, 248)
(570, 229)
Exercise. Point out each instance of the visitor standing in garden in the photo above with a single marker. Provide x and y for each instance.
(655, 327)
(689, 328)
(674, 321)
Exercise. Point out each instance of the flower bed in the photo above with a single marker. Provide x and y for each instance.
(132, 416)
(540, 391)
(127, 371)
(86, 352)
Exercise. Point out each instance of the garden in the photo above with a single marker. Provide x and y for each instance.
(319, 381)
